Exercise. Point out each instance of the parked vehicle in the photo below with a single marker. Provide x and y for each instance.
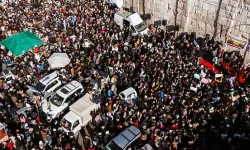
(128, 94)
(131, 20)
(47, 85)
(128, 138)
(7, 76)
(60, 101)
(79, 114)
(7, 61)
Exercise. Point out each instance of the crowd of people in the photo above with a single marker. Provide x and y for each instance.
(182, 102)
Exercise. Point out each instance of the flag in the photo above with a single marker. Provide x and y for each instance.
(209, 66)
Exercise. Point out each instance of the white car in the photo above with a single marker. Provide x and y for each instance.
(60, 101)
(47, 85)
(128, 94)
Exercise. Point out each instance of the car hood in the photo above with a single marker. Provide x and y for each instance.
(52, 110)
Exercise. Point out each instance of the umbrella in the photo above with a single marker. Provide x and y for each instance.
(58, 60)
(22, 42)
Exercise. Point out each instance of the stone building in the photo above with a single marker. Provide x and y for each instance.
(215, 17)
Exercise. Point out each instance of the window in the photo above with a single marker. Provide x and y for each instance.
(69, 99)
(134, 144)
(79, 93)
(122, 95)
(64, 91)
(133, 29)
(126, 23)
(76, 124)
(129, 96)
(51, 85)
(8, 79)
(140, 27)
(113, 146)
(56, 100)
(40, 87)
(66, 124)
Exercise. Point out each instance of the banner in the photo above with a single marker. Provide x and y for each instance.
(236, 43)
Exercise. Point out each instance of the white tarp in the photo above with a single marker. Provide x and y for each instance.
(83, 107)
(135, 19)
(81, 104)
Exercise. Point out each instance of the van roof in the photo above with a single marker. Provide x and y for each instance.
(68, 88)
(71, 117)
(45, 80)
(135, 19)
(124, 14)
(126, 136)
(128, 91)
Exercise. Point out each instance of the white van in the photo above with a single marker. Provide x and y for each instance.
(79, 114)
(133, 21)
(128, 94)
(60, 101)
(47, 85)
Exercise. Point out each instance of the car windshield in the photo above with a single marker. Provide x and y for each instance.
(8, 79)
(140, 27)
(113, 146)
(56, 100)
(122, 95)
(39, 86)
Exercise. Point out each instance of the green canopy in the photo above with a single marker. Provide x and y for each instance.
(22, 42)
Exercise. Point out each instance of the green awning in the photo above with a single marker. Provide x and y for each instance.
(21, 42)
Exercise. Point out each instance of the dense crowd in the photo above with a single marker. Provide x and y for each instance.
(181, 104)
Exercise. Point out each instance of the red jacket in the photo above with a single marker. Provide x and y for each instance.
(10, 145)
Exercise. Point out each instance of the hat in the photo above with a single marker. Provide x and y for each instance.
(40, 142)
(107, 132)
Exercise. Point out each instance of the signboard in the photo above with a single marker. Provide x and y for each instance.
(235, 43)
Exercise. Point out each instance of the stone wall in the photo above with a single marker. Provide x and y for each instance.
(214, 17)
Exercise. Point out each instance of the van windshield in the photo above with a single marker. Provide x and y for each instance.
(113, 146)
(66, 124)
(122, 95)
(39, 87)
(56, 100)
(140, 27)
